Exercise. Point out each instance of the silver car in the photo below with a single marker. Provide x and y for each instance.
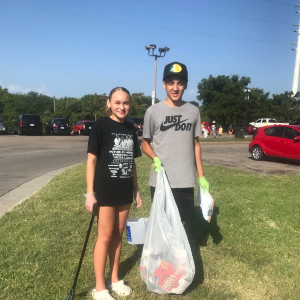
(2, 127)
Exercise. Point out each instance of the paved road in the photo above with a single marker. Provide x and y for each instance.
(25, 159)
(237, 156)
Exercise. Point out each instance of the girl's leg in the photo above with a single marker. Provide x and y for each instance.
(106, 222)
(114, 251)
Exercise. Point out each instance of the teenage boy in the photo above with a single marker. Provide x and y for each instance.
(174, 126)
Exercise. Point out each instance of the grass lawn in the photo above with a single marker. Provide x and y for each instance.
(249, 251)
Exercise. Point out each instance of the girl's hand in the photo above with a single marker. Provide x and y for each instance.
(138, 200)
(90, 201)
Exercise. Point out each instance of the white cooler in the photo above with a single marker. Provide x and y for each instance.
(136, 230)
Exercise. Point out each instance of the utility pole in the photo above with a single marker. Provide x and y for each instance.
(162, 53)
(297, 61)
(54, 106)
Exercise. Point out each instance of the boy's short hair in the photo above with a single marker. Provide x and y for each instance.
(176, 68)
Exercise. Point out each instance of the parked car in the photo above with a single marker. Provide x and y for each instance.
(83, 127)
(266, 122)
(276, 140)
(250, 129)
(2, 127)
(28, 124)
(138, 123)
(58, 126)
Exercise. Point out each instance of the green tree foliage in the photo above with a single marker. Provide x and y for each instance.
(139, 104)
(285, 107)
(194, 103)
(223, 99)
(88, 107)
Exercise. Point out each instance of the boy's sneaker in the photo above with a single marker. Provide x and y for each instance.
(102, 295)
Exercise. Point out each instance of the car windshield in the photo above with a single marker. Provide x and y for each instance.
(34, 119)
(61, 121)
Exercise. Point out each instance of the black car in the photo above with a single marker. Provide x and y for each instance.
(28, 124)
(2, 127)
(58, 126)
(138, 124)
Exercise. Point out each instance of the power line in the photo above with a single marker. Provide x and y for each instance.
(145, 26)
(279, 2)
(213, 13)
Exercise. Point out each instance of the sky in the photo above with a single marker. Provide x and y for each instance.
(70, 48)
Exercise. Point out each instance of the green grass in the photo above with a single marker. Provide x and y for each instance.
(249, 251)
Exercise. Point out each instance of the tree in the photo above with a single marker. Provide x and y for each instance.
(285, 107)
(194, 103)
(139, 104)
(223, 97)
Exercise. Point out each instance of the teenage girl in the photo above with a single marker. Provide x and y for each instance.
(112, 183)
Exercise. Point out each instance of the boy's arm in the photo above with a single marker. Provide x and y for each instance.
(198, 157)
(148, 150)
(202, 180)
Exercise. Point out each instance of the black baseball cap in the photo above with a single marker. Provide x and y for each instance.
(176, 68)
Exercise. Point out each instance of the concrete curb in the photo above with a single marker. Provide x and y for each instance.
(21, 193)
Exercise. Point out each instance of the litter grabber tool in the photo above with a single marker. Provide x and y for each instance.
(71, 294)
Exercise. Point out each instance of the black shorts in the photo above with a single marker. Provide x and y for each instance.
(184, 198)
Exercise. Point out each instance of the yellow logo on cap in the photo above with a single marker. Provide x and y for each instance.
(176, 68)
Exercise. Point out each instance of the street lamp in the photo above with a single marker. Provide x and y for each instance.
(247, 91)
(162, 53)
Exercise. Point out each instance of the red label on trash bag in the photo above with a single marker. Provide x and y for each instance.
(168, 276)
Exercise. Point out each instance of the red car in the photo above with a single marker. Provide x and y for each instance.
(276, 140)
(83, 127)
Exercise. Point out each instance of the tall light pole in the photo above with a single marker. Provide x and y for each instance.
(162, 53)
(54, 106)
(247, 91)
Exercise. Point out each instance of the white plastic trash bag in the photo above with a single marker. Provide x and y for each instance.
(206, 203)
(167, 265)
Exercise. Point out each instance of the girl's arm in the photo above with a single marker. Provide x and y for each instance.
(90, 176)
(136, 188)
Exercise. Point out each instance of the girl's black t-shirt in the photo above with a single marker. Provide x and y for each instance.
(116, 145)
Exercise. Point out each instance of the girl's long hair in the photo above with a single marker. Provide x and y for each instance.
(119, 88)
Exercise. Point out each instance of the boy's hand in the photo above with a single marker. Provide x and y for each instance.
(204, 184)
(156, 164)
(138, 200)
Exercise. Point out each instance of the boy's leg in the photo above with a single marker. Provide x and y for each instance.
(184, 198)
(106, 220)
(114, 250)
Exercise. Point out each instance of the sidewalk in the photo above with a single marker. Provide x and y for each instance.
(21, 193)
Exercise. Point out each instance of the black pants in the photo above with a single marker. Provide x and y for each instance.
(184, 198)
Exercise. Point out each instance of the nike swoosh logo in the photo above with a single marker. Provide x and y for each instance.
(164, 128)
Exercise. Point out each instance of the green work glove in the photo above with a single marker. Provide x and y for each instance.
(204, 184)
(156, 164)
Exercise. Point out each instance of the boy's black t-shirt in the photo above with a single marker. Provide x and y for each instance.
(116, 145)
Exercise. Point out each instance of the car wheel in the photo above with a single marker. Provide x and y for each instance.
(257, 153)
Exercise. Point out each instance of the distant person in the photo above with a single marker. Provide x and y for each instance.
(111, 183)
(230, 130)
(174, 127)
(220, 131)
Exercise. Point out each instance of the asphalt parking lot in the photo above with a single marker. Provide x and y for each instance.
(24, 159)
